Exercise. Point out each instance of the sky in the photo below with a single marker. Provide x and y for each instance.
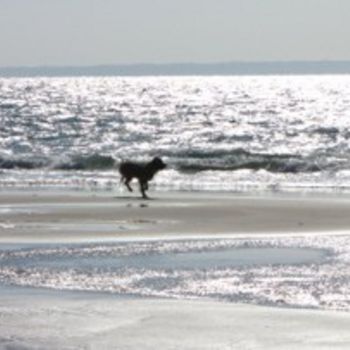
(94, 32)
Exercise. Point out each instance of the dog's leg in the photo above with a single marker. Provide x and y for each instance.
(126, 182)
(143, 188)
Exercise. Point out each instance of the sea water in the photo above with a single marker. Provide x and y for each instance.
(247, 133)
(308, 272)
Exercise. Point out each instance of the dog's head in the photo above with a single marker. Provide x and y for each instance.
(158, 164)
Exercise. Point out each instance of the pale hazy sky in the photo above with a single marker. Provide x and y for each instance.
(89, 32)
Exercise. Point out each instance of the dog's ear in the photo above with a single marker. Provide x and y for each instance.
(158, 163)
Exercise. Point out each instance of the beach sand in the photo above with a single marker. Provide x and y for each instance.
(81, 216)
(44, 319)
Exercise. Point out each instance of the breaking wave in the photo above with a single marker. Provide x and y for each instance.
(93, 162)
(187, 162)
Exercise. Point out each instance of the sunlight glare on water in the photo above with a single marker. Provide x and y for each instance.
(310, 271)
(217, 133)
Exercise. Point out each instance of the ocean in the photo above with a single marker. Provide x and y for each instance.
(228, 133)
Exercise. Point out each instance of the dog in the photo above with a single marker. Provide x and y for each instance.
(143, 172)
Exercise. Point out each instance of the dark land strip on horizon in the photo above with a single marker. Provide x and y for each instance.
(184, 69)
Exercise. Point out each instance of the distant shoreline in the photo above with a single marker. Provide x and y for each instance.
(184, 69)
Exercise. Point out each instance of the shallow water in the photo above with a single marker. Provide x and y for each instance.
(217, 259)
(310, 272)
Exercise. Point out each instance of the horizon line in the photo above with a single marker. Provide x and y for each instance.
(182, 68)
(174, 63)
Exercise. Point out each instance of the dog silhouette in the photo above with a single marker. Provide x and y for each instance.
(142, 172)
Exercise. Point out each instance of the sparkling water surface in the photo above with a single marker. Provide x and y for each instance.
(308, 272)
(216, 133)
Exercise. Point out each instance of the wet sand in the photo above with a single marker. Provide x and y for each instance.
(67, 217)
(42, 319)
